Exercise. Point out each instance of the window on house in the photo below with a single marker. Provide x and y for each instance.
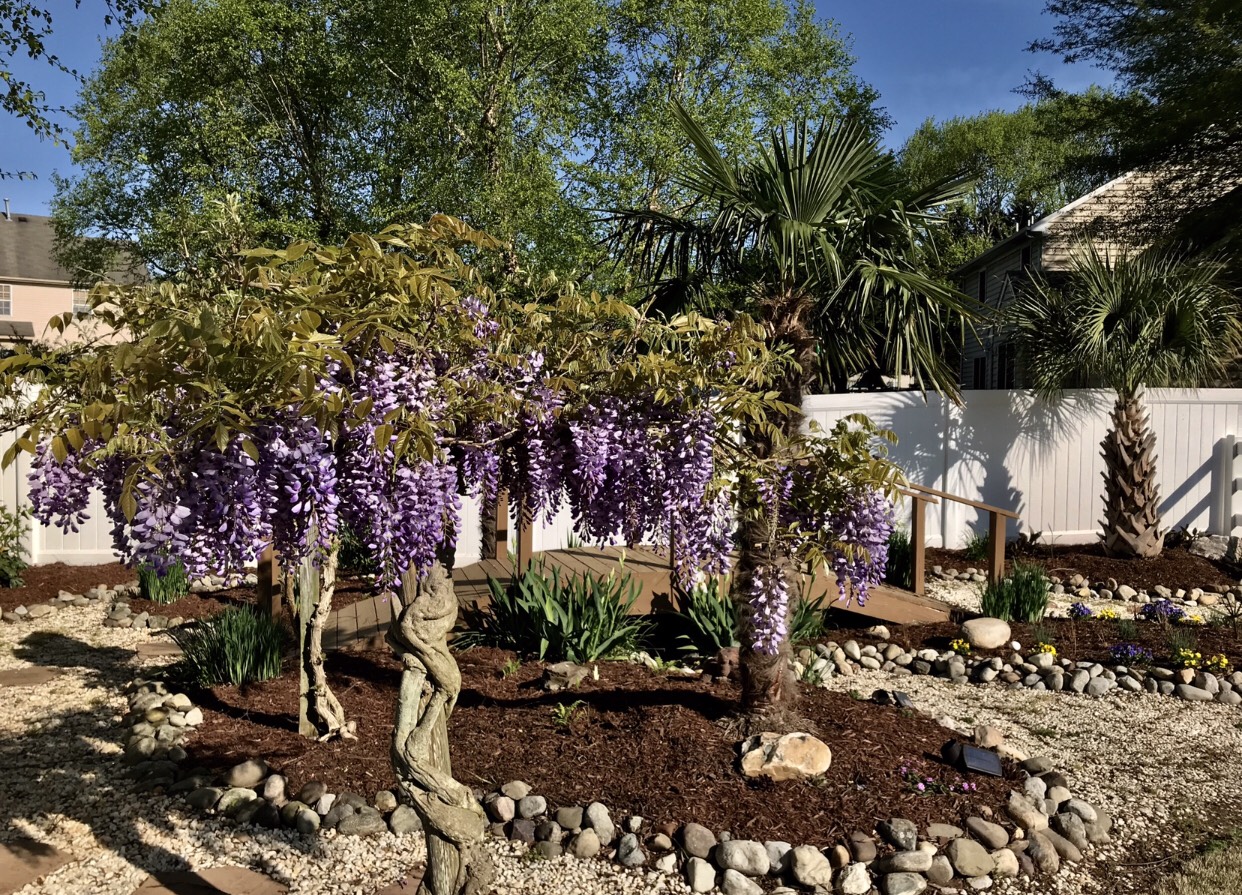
(1006, 369)
(983, 286)
(81, 302)
(1026, 256)
(979, 373)
(6, 300)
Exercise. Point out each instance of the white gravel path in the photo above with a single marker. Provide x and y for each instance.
(1156, 764)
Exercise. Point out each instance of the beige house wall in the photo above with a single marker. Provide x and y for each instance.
(1099, 215)
(37, 303)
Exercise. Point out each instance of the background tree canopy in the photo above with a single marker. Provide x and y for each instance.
(1024, 164)
(1178, 110)
(333, 116)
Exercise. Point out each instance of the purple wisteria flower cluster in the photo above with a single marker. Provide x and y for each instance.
(864, 522)
(769, 609)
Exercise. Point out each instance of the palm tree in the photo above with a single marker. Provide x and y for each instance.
(817, 237)
(1124, 321)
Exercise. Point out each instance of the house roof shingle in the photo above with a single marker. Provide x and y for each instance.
(26, 250)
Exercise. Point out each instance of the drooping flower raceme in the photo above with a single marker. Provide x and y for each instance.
(769, 609)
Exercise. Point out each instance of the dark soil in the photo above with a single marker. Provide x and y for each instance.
(641, 742)
(349, 590)
(43, 582)
(1174, 568)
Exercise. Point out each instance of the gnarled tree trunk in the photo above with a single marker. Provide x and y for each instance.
(453, 819)
(320, 715)
(1131, 495)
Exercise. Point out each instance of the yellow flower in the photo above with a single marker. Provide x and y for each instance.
(1047, 648)
(960, 646)
(1108, 614)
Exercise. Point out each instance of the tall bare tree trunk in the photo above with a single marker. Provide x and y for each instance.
(320, 714)
(487, 528)
(453, 819)
(1131, 494)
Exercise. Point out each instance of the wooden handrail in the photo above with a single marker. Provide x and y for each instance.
(919, 496)
(1009, 514)
(918, 528)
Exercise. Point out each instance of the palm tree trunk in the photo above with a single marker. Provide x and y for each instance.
(1131, 494)
(767, 685)
(430, 683)
(767, 681)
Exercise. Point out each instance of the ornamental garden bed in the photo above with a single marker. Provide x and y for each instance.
(1176, 567)
(654, 744)
(44, 582)
(1085, 640)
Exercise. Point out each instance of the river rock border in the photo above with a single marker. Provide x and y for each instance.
(100, 593)
(1048, 825)
(1035, 671)
(1078, 587)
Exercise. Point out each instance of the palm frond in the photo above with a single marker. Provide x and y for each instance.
(1125, 320)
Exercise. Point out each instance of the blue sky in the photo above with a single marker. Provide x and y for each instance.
(937, 58)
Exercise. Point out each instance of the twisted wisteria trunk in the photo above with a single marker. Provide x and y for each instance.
(452, 818)
(320, 714)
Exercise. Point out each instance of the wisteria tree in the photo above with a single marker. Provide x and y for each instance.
(379, 381)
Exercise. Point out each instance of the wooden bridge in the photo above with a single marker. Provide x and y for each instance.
(364, 624)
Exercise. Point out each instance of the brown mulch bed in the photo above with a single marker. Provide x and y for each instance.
(350, 589)
(1086, 640)
(43, 582)
(641, 742)
(1174, 568)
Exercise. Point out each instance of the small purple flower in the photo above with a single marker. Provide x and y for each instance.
(1162, 611)
(1080, 611)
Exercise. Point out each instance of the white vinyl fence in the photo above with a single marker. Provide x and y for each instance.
(1002, 447)
(1008, 449)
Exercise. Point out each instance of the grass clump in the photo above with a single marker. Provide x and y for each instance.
(238, 646)
(552, 618)
(706, 619)
(1023, 596)
(976, 549)
(13, 529)
(900, 569)
(164, 587)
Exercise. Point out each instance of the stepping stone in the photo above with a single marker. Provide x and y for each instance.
(28, 677)
(407, 885)
(23, 861)
(213, 881)
(157, 649)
